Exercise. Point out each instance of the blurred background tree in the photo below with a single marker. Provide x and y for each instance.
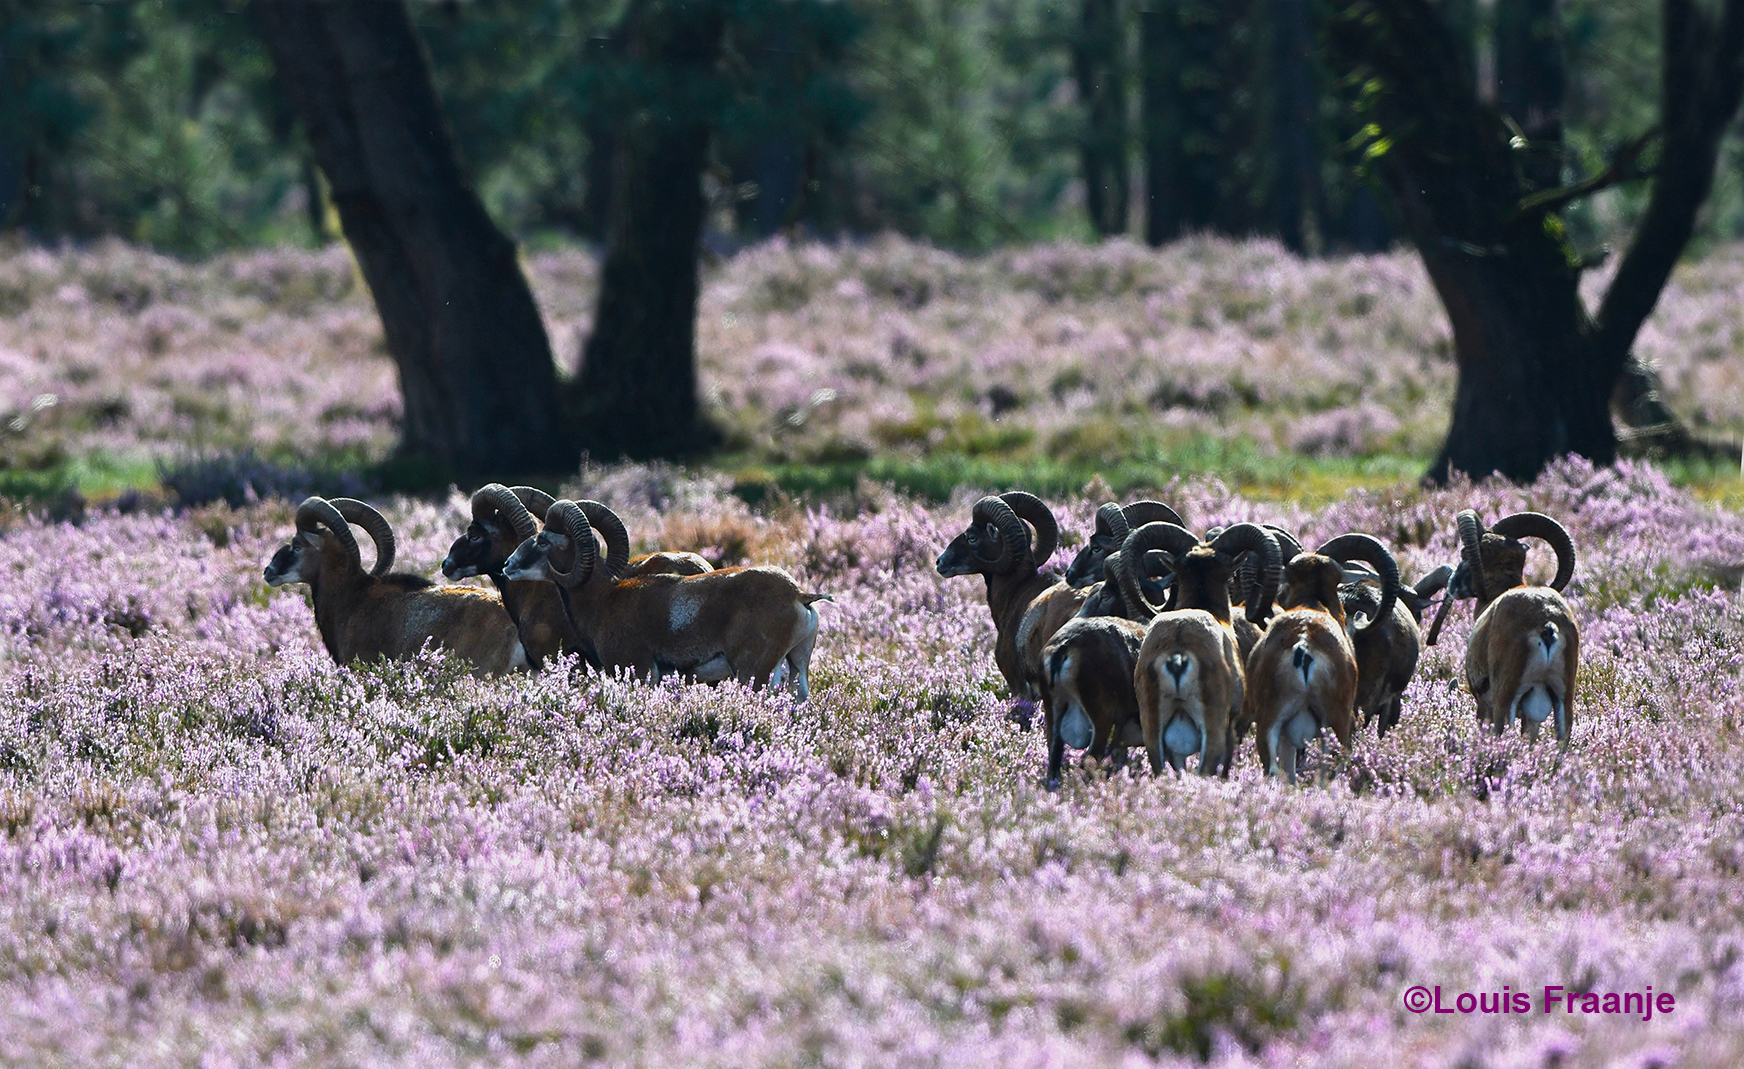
(966, 124)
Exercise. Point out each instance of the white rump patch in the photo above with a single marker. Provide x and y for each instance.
(1076, 730)
(1300, 728)
(1536, 704)
(683, 613)
(1182, 736)
(518, 660)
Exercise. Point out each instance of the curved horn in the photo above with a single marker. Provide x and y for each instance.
(1171, 538)
(373, 523)
(1368, 548)
(1140, 513)
(1471, 535)
(610, 528)
(566, 518)
(1288, 544)
(1111, 521)
(1538, 525)
(1011, 530)
(495, 499)
(1433, 583)
(317, 512)
(1047, 529)
(537, 501)
(1251, 538)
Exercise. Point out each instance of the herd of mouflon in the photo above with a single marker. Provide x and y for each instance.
(1155, 637)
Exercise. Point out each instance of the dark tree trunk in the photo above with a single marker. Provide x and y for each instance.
(1161, 121)
(1530, 81)
(475, 367)
(1296, 184)
(601, 124)
(1099, 62)
(636, 392)
(1536, 372)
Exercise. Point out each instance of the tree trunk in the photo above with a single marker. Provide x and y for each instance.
(601, 126)
(475, 366)
(1099, 61)
(636, 392)
(1529, 83)
(1296, 183)
(1536, 371)
(1161, 117)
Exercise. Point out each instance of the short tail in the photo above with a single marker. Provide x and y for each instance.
(1303, 660)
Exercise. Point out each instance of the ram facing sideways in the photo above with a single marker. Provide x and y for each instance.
(1029, 604)
(752, 624)
(368, 615)
(502, 518)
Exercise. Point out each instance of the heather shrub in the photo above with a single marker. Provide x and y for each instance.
(217, 847)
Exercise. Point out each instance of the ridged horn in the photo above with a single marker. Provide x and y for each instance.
(1471, 535)
(1368, 548)
(316, 512)
(1171, 538)
(566, 518)
(537, 501)
(1111, 521)
(1047, 529)
(1012, 533)
(493, 500)
(1140, 513)
(1433, 583)
(1288, 544)
(1252, 538)
(1538, 525)
(375, 525)
(611, 529)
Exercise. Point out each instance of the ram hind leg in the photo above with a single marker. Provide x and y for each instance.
(1056, 751)
(798, 659)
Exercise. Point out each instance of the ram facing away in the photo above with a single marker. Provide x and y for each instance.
(1302, 677)
(1524, 650)
(1188, 677)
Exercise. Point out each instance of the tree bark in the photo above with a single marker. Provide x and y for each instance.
(1099, 62)
(475, 366)
(1536, 371)
(1296, 184)
(635, 395)
(1530, 78)
(1161, 119)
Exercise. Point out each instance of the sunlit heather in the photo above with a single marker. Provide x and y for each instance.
(217, 848)
(812, 352)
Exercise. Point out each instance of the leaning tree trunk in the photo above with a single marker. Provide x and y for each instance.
(636, 392)
(1099, 62)
(475, 366)
(1536, 371)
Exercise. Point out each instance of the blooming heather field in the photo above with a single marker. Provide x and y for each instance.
(821, 352)
(219, 849)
